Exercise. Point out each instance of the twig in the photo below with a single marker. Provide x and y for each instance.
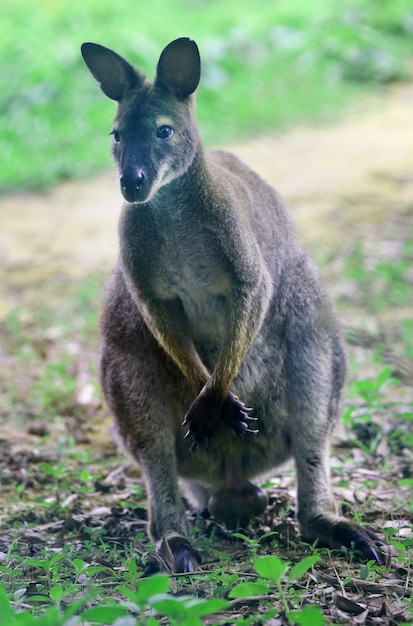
(357, 584)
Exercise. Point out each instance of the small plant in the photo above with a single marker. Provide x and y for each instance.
(371, 401)
(55, 386)
(276, 575)
(151, 597)
(371, 391)
(381, 282)
(254, 543)
(15, 615)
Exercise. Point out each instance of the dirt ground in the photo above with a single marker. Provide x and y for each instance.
(325, 174)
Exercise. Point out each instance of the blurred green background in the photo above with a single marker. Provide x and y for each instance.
(266, 66)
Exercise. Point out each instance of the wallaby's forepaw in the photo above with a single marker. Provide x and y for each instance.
(361, 540)
(237, 416)
(207, 412)
(202, 419)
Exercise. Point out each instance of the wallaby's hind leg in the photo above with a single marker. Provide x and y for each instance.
(312, 422)
(167, 522)
(316, 510)
(150, 441)
(139, 386)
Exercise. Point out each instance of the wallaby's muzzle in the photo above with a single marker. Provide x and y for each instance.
(134, 185)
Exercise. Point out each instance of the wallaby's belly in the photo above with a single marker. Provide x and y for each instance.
(260, 454)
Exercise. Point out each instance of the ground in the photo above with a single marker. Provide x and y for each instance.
(349, 187)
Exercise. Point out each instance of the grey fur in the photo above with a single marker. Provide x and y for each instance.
(212, 299)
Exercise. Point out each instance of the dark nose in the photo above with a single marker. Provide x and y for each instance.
(131, 182)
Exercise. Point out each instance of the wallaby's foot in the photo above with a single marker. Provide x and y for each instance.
(341, 533)
(360, 540)
(174, 556)
(207, 412)
(235, 506)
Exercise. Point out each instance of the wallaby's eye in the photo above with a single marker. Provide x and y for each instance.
(164, 132)
(116, 136)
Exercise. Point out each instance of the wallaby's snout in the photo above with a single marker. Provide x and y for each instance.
(133, 185)
(137, 164)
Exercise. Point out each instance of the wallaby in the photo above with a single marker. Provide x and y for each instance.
(212, 305)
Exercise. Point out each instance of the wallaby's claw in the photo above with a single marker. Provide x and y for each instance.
(359, 539)
(207, 412)
(237, 416)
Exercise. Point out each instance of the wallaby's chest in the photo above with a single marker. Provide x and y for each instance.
(179, 260)
(194, 275)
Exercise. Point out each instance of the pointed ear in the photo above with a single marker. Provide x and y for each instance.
(115, 75)
(179, 67)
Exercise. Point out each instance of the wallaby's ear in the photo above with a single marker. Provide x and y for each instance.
(179, 67)
(115, 75)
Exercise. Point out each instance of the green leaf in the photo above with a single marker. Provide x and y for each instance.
(364, 572)
(399, 546)
(44, 564)
(270, 567)
(104, 614)
(55, 559)
(79, 565)
(56, 593)
(233, 578)
(6, 610)
(201, 607)
(301, 568)
(248, 589)
(170, 606)
(309, 616)
(40, 598)
(132, 567)
(241, 536)
(126, 620)
(96, 569)
(405, 482)
(384, 376)
(150, 587)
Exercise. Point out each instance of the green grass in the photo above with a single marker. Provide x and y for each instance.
(263, 69)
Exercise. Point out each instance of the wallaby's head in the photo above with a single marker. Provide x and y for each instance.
(154, 133)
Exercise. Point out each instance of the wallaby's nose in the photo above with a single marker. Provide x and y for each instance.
(131, 183)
